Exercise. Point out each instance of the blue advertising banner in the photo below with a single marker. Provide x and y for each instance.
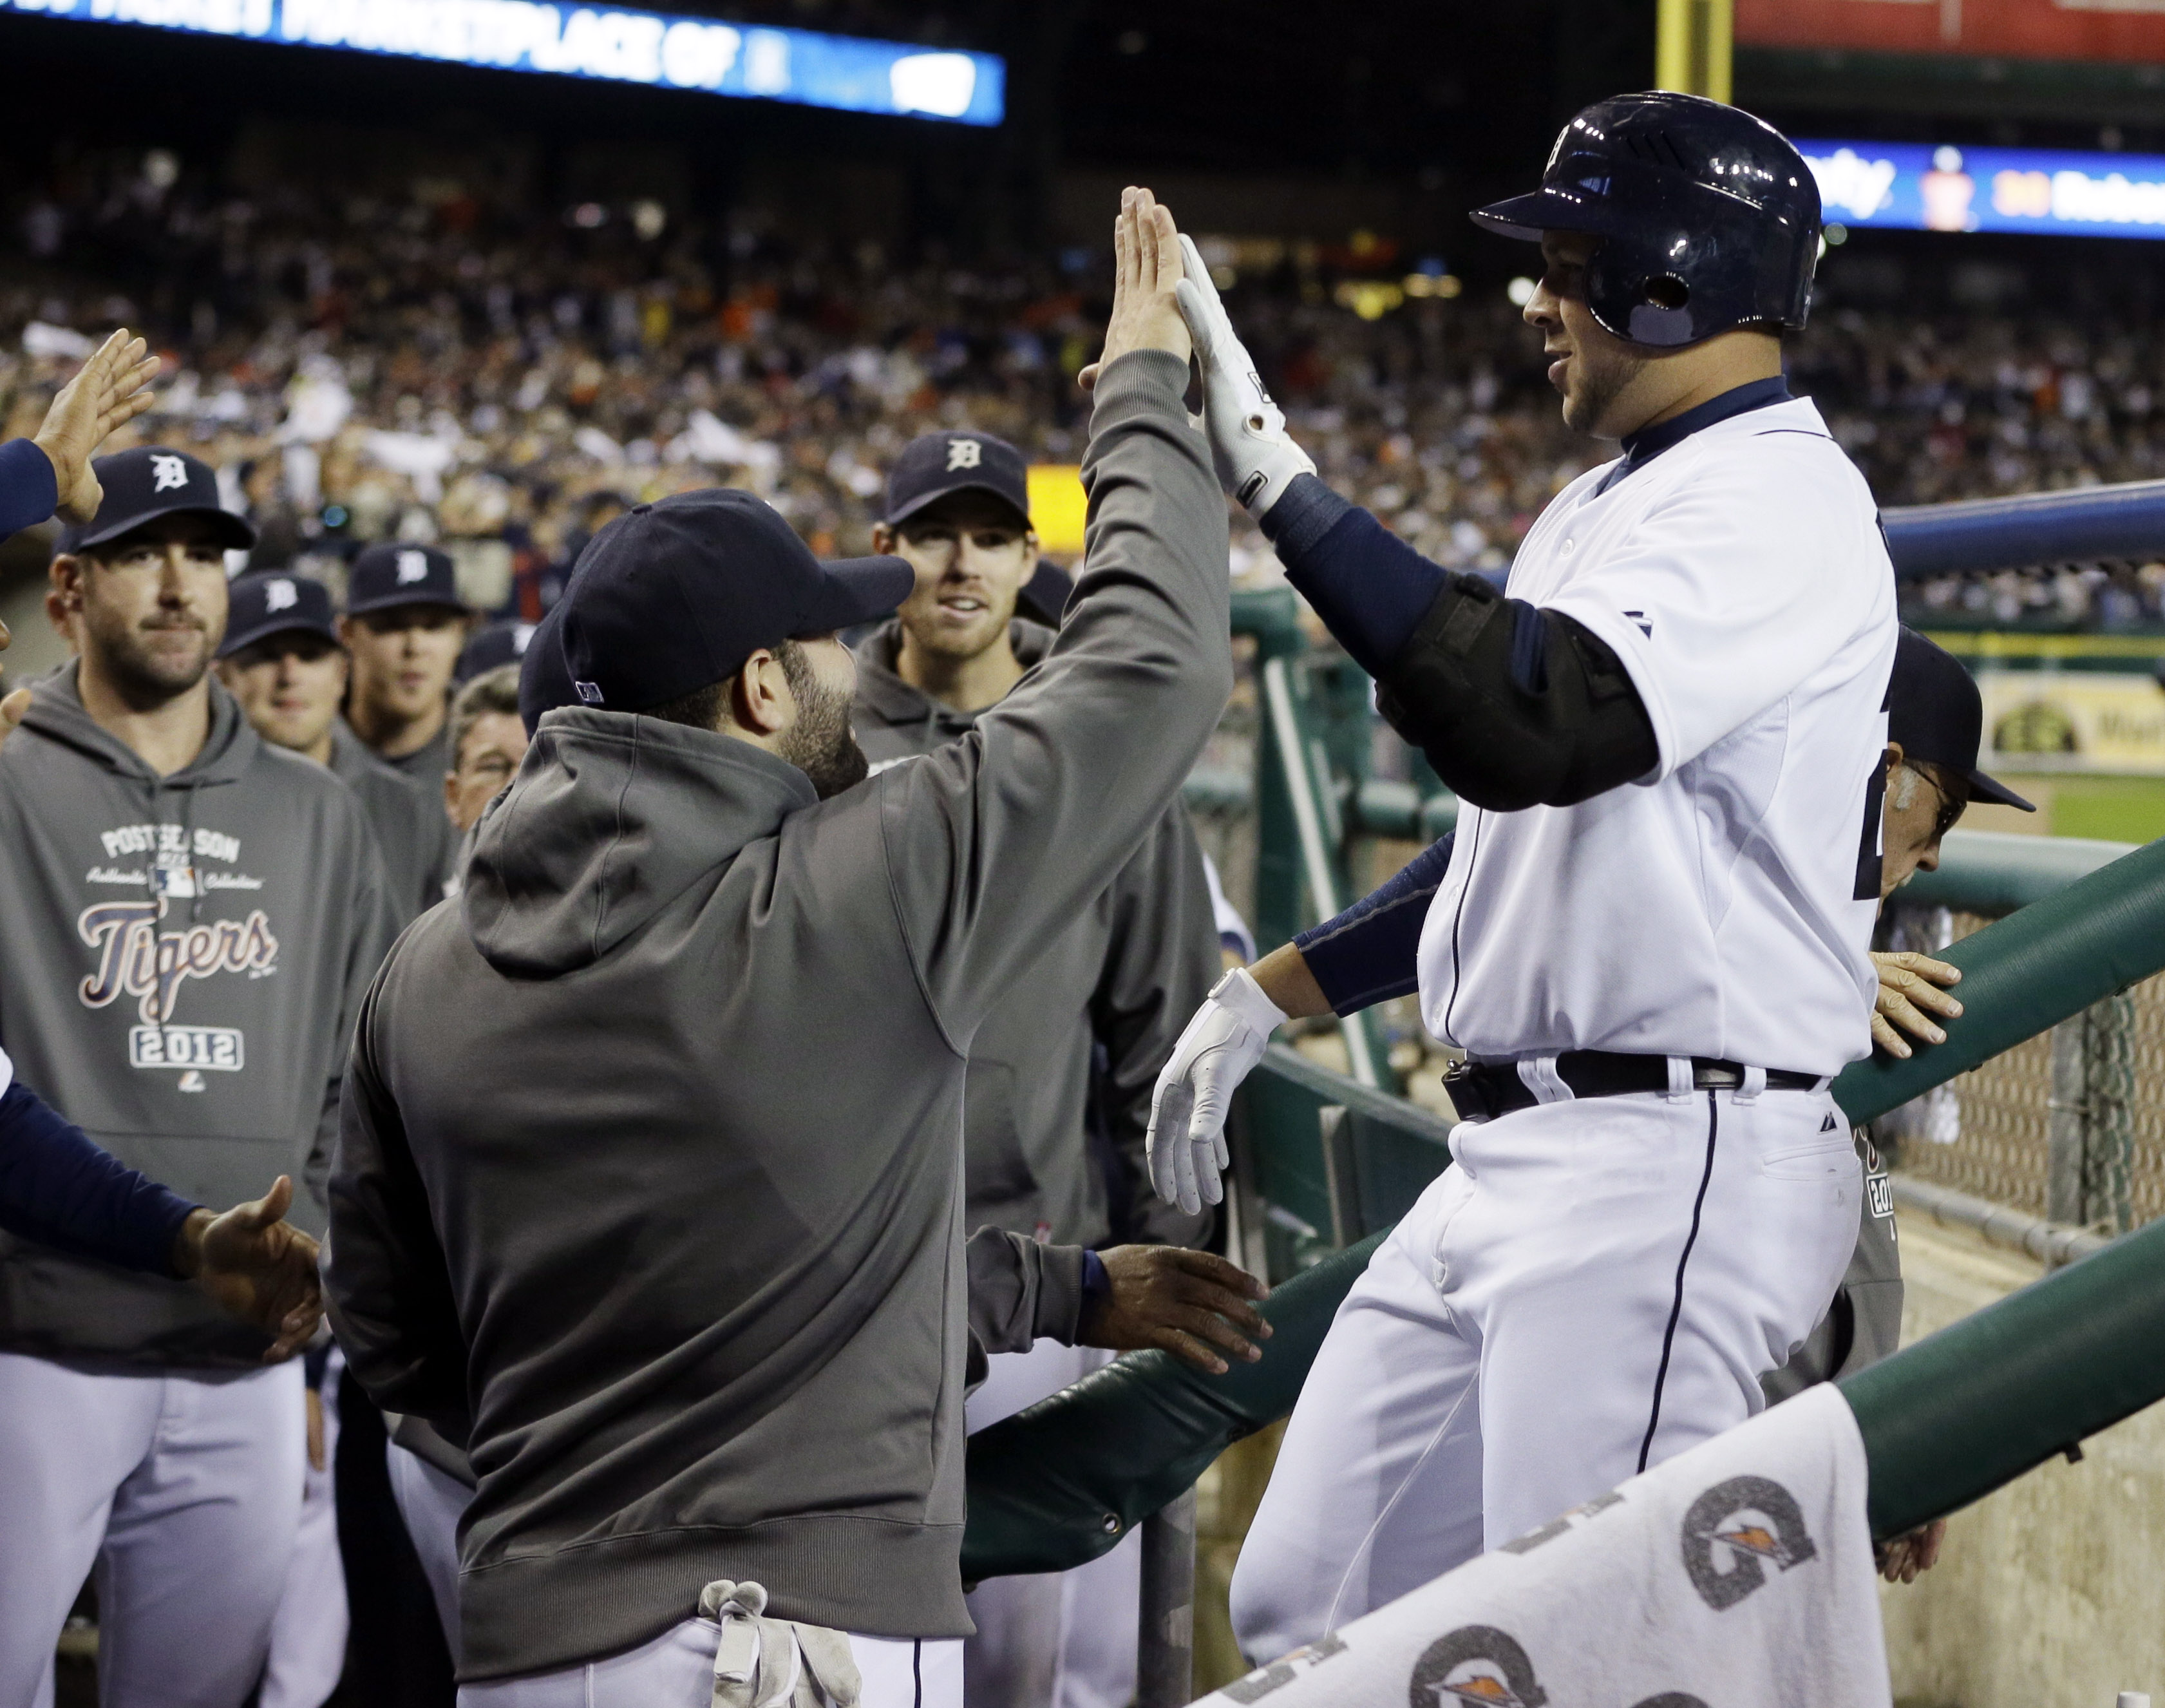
(1917, 186)
(665, 51)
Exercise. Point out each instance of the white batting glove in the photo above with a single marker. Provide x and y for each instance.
(1222, 1044)
(1256, 460)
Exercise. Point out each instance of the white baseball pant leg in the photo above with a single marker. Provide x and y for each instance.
(1594, 1288)
(308, 1632)
(183, 1488)
(1052, 1639)
(676, 1670)
(432, 1502)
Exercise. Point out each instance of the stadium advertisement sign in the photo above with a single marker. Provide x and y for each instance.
(1916, 187)
(616, 43)
(2074, 720)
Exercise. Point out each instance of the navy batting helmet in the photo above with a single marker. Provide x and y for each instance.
(1707, 218)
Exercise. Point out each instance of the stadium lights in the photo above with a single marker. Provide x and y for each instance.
(617, 44)
(1520, 291)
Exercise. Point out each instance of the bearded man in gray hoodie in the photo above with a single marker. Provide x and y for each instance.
(649, 1185)
(192, 917)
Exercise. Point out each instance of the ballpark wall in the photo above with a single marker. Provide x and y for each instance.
(2047, 1590)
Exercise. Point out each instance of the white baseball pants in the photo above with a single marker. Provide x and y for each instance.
(308, 1632)
(183, 1488)
(676, 1670)
(1595, 1288)
(432, 1502)
(1052, 1639)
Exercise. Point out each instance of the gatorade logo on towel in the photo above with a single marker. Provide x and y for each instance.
(1733, 1530)
(1475, 1664)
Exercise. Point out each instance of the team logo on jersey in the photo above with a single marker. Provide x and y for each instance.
(280, 594)
(1284, 1670)
(963, 453)
(1733, 1529)
(1645, 627)
(168, 474)
(413, 567)
(1476, 1664)
(135, 958)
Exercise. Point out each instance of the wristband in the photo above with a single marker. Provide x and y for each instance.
(1096, 1282)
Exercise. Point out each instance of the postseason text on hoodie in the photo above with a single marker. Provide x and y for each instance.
(650, 1165)
(185, 957)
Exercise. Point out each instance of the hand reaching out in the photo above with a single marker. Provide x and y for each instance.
(1146, 271)
(1180, 1301)
(257, 1266)
(112, 387)
(1908, 986)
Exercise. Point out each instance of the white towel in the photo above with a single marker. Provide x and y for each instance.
(1738, 1575)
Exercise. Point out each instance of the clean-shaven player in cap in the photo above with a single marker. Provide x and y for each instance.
(283, 660)
(1652, 938)
(1122, 977)
(696, 1037)
(404, 626)
(192, 917)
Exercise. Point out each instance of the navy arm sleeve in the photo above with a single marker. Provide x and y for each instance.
(28, 492)
(1368, 954)
(59, 1187)
(1514, 706)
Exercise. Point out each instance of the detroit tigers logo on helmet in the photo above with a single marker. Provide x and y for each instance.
(413, 567)
(281, 595)
(964, 453)
(167, 472)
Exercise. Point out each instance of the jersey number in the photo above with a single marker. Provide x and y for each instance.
(1869, 865)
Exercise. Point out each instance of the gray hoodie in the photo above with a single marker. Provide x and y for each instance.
(185, 957)
(651, 1155)
(412, 831)
(1125, 973)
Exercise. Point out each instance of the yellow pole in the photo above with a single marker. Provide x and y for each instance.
(1692, 40)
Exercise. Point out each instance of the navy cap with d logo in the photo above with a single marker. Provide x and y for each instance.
(1934, 709)
(274, 602)
(150, 482)
(935, 464)
(388, 575)
(674, 596)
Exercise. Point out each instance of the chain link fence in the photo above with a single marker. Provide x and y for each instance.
(2069, 1126)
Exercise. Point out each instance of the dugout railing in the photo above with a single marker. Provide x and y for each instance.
(1325, 1161)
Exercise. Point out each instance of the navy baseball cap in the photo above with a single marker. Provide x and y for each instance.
(498, 643)
(1934, 709)
(388, 575)
(150, 482)
(673, 596)
(936, 464)
(545, 682)
(271, 602)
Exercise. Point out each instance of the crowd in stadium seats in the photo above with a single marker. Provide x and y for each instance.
(431, 369)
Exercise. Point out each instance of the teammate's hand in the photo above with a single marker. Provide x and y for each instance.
(112, 387)
(1256, 460)
(1223, 1043)
(1900, 1560)
(1183, 1302)
(1146, 270)
(256, 1265)
(1909, 984)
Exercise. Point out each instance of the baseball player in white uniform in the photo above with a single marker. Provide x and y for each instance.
(1652, 939)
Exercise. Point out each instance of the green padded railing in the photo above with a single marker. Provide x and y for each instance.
(1944, 1422)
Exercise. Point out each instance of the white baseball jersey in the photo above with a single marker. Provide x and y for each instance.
(1722, 905)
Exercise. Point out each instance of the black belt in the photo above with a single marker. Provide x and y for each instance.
(1483, 1090)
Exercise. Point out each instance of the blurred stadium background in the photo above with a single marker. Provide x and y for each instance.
(403, 294)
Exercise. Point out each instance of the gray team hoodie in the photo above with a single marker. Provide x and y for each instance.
(184, 958)
(1126, 972)
(651, 1161)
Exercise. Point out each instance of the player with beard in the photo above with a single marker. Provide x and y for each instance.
(191, 916)
(699, 1035)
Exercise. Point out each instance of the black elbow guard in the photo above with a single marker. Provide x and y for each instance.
(1516, 707)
